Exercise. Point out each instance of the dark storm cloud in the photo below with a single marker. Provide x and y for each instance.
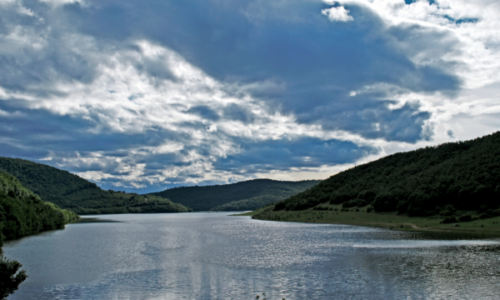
(204, 112)
(301, 153)
(239, 113)
(42, 129)
(318, 62)
(36, 134)
(284, 53)
(373, 119)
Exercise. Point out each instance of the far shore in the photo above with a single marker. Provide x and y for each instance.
(483, 228)
(95, 220)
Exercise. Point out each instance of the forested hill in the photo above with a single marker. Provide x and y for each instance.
(83, 197)
(23, 213)
(429, 181)
(246, 195)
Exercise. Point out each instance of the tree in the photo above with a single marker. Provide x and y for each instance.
(10, 275)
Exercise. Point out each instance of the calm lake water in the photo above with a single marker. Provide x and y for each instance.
(213, 256)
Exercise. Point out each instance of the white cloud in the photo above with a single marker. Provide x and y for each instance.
(138, 86)
(467, 45)
(62, 2)
(337, 14)
(124, 98)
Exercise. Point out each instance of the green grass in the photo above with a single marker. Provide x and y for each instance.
(488, 227)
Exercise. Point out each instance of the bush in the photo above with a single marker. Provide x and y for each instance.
(11, 276)
(320, 208)
(367, 195)
(465, 218)
(279, 206)
(355, 202)
(385, 202)
(402, 207)
(485, 215)
(448, 210)
(416, 211)
(450, 220)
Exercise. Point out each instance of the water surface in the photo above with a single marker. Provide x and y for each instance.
(213, 256)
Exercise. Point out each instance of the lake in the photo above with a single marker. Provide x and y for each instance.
(214, 256)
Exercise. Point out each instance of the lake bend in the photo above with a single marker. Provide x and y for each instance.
(216, 256)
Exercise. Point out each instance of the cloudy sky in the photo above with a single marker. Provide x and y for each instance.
(147, 95)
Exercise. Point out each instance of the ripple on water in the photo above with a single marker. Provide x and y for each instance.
(211, 256)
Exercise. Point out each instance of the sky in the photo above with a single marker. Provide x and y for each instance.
(146, 95)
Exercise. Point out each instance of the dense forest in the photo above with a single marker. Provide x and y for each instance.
(23, 213)
(431, 181)
(81, 196)
(242, 195)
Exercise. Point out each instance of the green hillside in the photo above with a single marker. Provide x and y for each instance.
(449, 180)
(241, 195)
(81, 196)
(23, 213)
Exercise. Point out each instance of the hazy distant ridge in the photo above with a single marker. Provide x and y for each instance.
(246, 195)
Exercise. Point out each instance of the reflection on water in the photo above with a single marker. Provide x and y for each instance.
(211, 256)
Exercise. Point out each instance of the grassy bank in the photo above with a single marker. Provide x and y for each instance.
(333, 214)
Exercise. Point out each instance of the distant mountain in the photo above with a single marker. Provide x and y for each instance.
(252, 203)
(246, 195)
(431, 181)
(81, 196)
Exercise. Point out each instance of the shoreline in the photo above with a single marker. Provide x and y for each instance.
(485, 228)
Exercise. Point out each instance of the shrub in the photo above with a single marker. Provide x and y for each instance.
(449, 210)
(354, 202)
(385, 202)
(279, 206)
(485, 215)
(450, 220)
(320, 208)
(465, 218)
